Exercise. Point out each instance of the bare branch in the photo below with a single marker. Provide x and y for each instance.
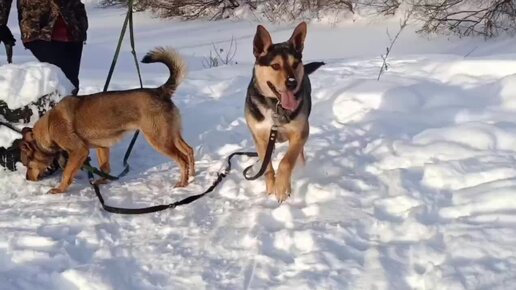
(403, 24)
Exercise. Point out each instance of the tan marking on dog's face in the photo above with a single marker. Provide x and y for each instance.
(37, 162)
(277, 73)
(37, 168)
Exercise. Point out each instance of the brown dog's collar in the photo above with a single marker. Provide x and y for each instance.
(44, 151)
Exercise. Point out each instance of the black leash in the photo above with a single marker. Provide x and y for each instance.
(127, 22)
(220, 176)
(268, 155)
(10, 126)
(92, 171)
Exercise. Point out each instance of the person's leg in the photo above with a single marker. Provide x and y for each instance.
(65, 55)
(44, 51)
(70, 60)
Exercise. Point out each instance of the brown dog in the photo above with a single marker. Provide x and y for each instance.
(100, 120)
(280, 85)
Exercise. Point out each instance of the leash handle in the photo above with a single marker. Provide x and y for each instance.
(119, 210)
(134, 211)
(273, 135)
(220, 176)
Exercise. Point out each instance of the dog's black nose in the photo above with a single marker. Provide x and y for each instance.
(291, 83)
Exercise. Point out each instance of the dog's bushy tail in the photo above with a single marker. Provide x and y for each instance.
(175, 64)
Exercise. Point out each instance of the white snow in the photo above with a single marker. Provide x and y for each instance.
(7, 136)
(24, 83)
(21, 84)
(409, 181)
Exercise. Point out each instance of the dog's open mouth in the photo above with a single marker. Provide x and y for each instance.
(289, 101)
(287, 98)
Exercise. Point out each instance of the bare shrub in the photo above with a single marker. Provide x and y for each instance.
(280, 10)
(463, 17)
(382, 7)
(468, 17)
(403, 23)
(273, 10)
(220, 56)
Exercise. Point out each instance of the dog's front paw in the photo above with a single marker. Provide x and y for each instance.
(101, 181)
(55, 190)
(191, 171)
(269, 183)
(181, 184)
(282, 188)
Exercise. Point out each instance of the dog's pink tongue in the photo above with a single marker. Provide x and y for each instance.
(288, 101)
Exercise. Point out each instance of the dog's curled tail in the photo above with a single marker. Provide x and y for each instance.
(175, 63)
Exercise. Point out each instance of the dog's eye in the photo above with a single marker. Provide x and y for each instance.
(275, 66)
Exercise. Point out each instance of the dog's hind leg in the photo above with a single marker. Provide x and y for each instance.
(104, 165)
(103, 158)
(167, 145)
(188, 151)
(302, 157)
(75, 160)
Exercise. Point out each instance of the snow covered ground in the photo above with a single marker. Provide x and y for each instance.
(409, 182)
(24, 83)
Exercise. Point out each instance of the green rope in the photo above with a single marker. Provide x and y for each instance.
(127, 22)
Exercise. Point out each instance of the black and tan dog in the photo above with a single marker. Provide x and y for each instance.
(100, 120)
(280, 84)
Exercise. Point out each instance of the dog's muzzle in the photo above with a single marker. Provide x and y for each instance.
(291, 84)
(274, 90)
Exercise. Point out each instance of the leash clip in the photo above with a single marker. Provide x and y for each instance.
(280, 116)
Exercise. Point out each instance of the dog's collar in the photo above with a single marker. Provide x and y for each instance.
(274, 102)
(47, 152)
(280, 115)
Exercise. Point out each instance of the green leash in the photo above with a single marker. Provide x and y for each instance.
(127, 22)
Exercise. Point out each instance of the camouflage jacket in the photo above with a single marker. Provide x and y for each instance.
(37, 18)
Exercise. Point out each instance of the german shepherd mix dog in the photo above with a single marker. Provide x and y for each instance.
(100, 120)
(280, 85)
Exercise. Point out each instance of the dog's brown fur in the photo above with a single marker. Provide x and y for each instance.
(280, 65)
(99, 121)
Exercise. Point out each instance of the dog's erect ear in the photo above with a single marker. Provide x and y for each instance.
(297, 40)
(262, 41)
(27, 134)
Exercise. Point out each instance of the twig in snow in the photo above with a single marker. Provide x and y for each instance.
(219, 56)
(403, 24)
(471, 51)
